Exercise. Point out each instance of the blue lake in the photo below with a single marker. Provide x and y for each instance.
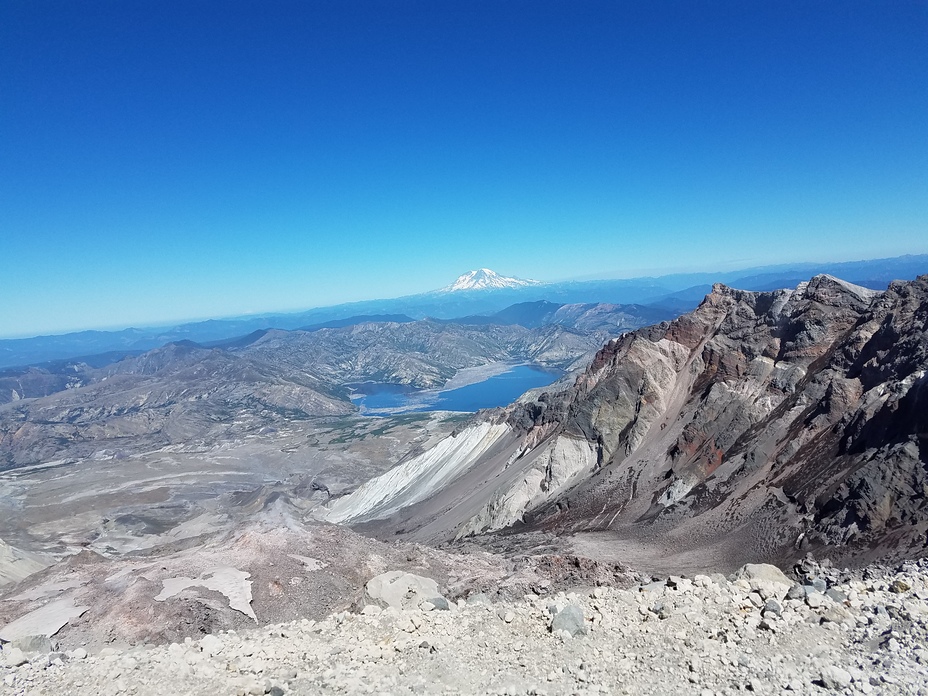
(498, 390)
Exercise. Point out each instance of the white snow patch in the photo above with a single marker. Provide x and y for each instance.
(44, 621)
(231, 582)
(861, 292)
(417, 478)
(52, 587)
(485, 279)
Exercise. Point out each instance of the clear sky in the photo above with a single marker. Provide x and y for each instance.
(164, 160)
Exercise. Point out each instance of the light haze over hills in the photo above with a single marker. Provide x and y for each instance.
(489, 295)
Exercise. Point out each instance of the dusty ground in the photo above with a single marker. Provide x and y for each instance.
(703, 635)
(122, 499)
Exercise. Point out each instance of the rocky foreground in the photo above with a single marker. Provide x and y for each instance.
(758, 631)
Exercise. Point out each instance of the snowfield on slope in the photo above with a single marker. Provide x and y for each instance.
(418, 478)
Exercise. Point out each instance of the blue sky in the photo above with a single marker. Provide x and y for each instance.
(162, 160)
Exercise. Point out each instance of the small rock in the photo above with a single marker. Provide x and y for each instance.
(14, 657)
(836, 614)
(815, 600)
(835, 678)
(899, 586)
(768, 580)
(569, 619)
(211, 645)
(78, 654)
(772, 606)
(440, 603)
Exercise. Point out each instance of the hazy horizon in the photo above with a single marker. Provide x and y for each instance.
(164, 163)
(180, 321)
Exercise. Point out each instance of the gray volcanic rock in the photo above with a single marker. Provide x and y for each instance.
(791, 417)
(570, 620)
(712, 639)
(758, 425)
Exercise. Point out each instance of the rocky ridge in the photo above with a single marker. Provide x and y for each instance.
(769, 422)
(756, 631)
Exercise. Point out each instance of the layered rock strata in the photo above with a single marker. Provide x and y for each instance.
(757, 425)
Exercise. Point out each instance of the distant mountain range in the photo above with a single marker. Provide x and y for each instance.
(478, 293)
(188, 392)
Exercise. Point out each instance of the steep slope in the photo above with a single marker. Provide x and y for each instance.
(612, 319)
(763, 422)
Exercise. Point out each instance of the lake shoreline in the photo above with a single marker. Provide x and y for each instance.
(407, 399)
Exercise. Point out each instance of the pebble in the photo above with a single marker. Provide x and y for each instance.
(708, 643)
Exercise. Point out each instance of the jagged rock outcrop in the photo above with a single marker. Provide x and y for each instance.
(764, 422)
(793, 416)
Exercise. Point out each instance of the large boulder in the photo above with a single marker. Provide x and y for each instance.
(765, 579)
(34, 644)
(402, 590)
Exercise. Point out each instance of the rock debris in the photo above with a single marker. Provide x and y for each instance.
(865, 633)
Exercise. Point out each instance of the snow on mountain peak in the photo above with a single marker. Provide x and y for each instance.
(485, 279)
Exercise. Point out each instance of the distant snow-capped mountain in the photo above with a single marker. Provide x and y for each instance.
(485, 279)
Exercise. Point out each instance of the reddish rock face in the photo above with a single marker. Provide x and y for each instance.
(788, 419)
(753, 428)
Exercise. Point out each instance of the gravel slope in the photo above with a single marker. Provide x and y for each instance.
(833, 633)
